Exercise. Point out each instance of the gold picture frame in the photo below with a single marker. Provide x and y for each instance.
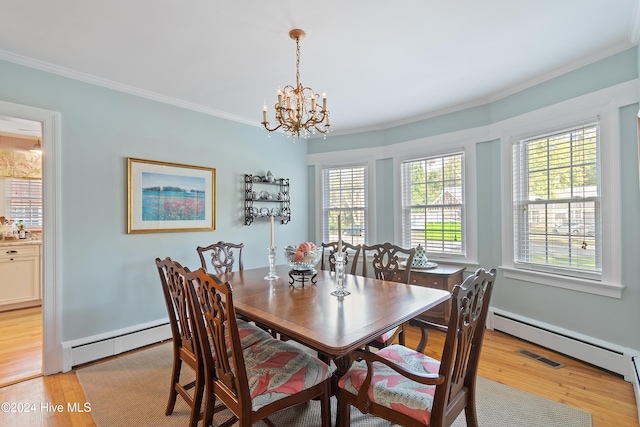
(170, 197)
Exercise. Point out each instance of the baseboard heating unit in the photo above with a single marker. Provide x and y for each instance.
(96, 347)
(590, 350)
(635, 361)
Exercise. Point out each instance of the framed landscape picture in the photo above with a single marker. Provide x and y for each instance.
(166, 197)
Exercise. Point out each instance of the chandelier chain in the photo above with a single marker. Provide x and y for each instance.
(297, 62)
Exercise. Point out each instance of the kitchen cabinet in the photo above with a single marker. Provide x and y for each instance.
(441, 277)
(19, 276)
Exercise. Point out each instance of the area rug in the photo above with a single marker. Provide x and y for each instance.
(132, 391)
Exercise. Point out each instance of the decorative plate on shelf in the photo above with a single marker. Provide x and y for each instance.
(429, 265)
(257, 179)
(264, 211)
(264, 195)
(255, 212)
(275, 212)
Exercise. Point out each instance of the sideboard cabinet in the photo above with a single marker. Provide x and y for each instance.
(442, 277)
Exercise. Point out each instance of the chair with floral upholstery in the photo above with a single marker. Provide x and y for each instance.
(386, 262)
(186, 346)
(411, 389)
(221, 257)
(256, 381)
(328, 260)
(185, 342)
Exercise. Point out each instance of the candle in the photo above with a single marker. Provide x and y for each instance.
(324, 101)
(264, 114)
(271, 241)
(339, 236)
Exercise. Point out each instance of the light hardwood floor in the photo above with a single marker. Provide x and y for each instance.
(608, 398)
(20, 345)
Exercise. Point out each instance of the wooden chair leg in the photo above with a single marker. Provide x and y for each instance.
(470, 412)
(325, 405)
(175, 377)
(198, 394)
(343, 417)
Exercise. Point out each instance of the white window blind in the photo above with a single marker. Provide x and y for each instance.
(556, 194)
(344, 193)
(24, 201)
(433, 208)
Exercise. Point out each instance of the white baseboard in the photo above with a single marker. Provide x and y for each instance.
(88, 349)
(603, 354)
(635, 367)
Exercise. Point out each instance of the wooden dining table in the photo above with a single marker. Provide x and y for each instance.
(333, 326)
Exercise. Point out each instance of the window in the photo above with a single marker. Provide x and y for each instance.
(24, 201)
(433, 204)
(344, 193)
(556, 195)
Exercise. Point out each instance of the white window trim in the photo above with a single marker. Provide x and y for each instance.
(442, 145)
(367, 207)
(348, 158)
(561, 116)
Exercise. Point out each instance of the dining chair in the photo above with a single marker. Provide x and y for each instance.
(411, 389)
(256, 381)
(352, 253)
(185, 342)
(221, 257)
(387, 263)
(186, 346)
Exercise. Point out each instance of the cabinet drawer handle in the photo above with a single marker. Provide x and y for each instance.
(12, 252)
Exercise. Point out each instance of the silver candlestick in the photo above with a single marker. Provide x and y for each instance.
(272, 264)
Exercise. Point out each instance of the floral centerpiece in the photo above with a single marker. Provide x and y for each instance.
(302, 257)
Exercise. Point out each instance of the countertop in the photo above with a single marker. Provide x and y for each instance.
(20, 242)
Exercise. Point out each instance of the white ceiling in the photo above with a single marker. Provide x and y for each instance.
(380, 62)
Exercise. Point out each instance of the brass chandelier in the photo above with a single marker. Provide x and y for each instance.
(298, 111)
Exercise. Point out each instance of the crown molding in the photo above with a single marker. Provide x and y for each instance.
(109, 84)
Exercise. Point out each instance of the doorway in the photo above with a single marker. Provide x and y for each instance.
(53, 355)
(21, 221)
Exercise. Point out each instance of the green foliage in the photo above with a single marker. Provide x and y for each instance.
(430, 177)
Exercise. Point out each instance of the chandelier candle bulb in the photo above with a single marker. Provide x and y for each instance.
(324, 101)
(264, 114)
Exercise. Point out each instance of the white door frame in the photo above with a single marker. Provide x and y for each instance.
(52, 360)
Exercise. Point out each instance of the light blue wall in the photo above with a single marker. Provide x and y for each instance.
(603, 318)
(384, 212)
(109, 280)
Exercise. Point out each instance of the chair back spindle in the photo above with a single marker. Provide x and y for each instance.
(386, 261)
(329, 250)
(221, 257)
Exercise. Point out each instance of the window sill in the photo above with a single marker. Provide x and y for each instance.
(572, 283)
